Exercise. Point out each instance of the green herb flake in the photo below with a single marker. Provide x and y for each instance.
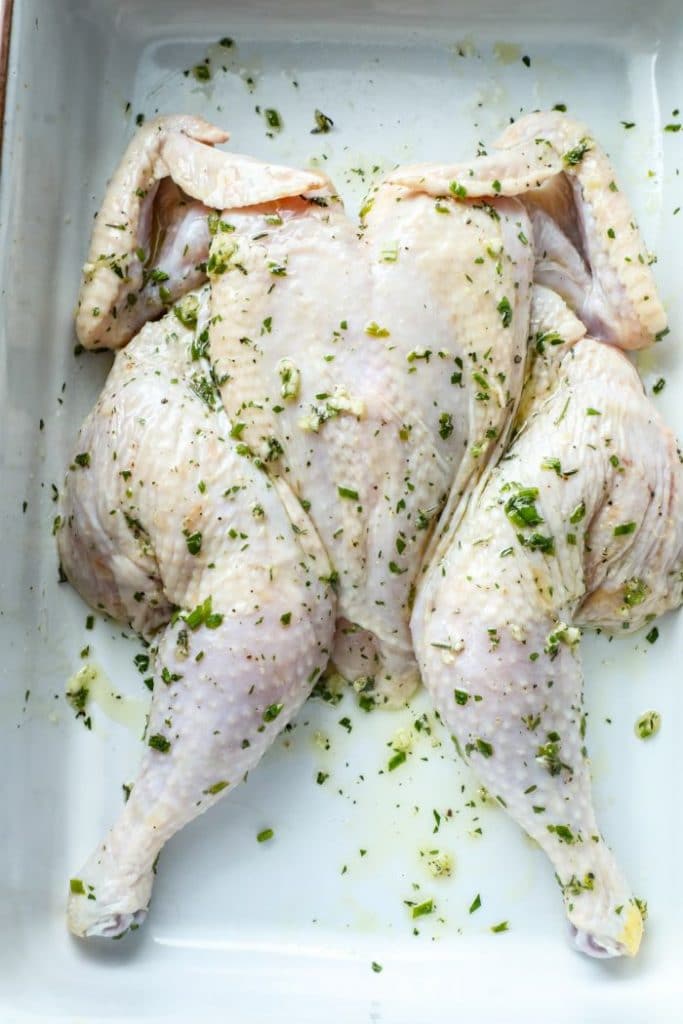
(505, 310)
(578, 514)
(575, 156)
(475, 904)
(422, 909)
(159, 742)
(521, 508)
(273, 119)
(348, 493)
(375, 331)
(503, 926)
(323, 123)
(193, 541)
(648, 725)
(397, 759)
(272, 712)
(624, 528)
(264, 835)
(76, 887)
(636, 591)
(217, 787)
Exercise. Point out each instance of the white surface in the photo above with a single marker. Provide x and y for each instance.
(250, 932)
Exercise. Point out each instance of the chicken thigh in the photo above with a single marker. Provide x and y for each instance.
(167, 526)
(580, 523)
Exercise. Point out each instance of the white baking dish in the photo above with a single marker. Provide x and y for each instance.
(252, 932)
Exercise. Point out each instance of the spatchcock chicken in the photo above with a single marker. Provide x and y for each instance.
(410, 450)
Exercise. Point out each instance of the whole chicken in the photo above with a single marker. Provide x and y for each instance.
(374, 379)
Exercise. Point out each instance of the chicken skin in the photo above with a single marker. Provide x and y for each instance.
(169, 527)
(258, 488)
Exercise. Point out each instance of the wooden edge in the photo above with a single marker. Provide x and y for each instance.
(5, 35)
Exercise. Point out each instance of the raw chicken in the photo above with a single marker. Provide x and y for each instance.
(151, 235)
(581, 523)
(169, 527)
(375, 379)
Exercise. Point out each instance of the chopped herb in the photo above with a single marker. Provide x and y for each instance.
(652, 636)
(484, 748)
(186, 310)
(659, 386)
(521, 509)
(422, 909)
(578, 513)
(264, 835)
(273, 119)
(502, 927)
(505, 310)
(217, 787)
(82, 460)
(272, 712)
(160, 743)
(635, 591)
(624, 528)
(398, 758)
(203, 615)
(76, 886)
(193, 541)
(648, 724)
(564, 833)
(375, 331)
(202, 72)
(347, 492)
(323, 123)
(575, 156)
(377, 968)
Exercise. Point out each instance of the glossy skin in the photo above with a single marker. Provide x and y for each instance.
(120, 291)
(369, 426)
(484, 621)
(224, 689)
(377, 379)
(603, 543)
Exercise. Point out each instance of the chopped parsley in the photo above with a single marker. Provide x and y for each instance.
(648, 725)
(159, 742)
